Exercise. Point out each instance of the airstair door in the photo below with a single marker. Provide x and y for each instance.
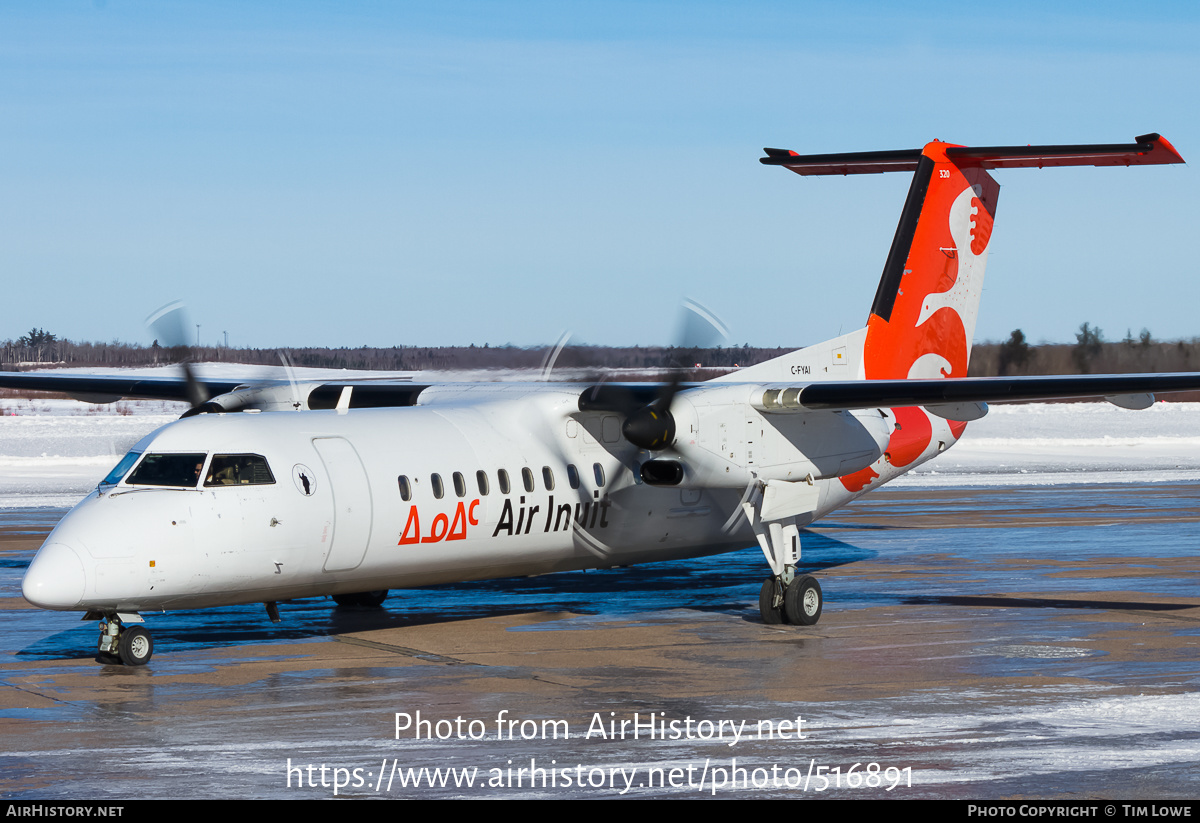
(351, 503)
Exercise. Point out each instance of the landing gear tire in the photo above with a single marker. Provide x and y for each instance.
(770, 606)
(135, 647)
(373, 599)
(803, 600)
(368, 599)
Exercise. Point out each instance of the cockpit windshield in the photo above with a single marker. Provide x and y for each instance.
(239, 470)
(114, 476)
(168, 470)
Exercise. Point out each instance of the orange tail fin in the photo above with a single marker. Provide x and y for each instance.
(923, 318)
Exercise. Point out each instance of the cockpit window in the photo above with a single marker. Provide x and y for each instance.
(114, 476)
(239, 470)
(168, 470)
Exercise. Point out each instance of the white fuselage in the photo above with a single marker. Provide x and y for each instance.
(334, 520)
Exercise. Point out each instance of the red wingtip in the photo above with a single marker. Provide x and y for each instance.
(1161, 142)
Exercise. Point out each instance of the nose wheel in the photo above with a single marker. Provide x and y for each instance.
(131, 645)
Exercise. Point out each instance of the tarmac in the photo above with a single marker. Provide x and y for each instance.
(991, 643)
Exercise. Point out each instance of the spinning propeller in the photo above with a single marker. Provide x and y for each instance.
(168, 324)
(649, 423)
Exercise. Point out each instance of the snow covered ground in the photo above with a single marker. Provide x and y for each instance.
(1052, 443)
(53, 451)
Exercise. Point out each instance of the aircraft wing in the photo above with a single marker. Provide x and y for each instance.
(871, 394)
(775, 397)
(368, 391)
(97, 388)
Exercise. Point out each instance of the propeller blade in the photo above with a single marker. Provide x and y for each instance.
(552, 355)
(652, 427)
(699, 327)
(290, 371)
(167, 324)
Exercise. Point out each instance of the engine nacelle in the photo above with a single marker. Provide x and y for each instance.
(723, 442)
(316, 396)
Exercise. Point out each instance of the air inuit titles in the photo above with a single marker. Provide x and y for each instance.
(639, 726)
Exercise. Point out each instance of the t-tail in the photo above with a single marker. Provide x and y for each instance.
(923, 318)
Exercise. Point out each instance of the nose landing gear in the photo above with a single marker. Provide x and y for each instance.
(131, 645)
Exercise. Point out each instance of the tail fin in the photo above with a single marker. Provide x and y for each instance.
(923, 318)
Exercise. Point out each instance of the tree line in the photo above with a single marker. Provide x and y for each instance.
(41, 349)
(1090, 354)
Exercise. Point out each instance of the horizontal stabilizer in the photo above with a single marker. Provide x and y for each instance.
(861, 162)
(1147, 150)
(873, 394)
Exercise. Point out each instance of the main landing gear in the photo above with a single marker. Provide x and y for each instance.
(775, 510)
(798, 602)
(368, 599)
(131, 645)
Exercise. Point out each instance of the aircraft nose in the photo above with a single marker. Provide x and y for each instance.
(55, 579)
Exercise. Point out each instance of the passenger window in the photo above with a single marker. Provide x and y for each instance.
(168, 470)
(598, 470)
(572, 475)
(460, 485)
(238, 470)
(527, 479)
(405, 488)
(436, 481)
(548, 478)
(505, 486)
(481, 480)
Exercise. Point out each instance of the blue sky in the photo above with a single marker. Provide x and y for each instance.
(447, 173)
